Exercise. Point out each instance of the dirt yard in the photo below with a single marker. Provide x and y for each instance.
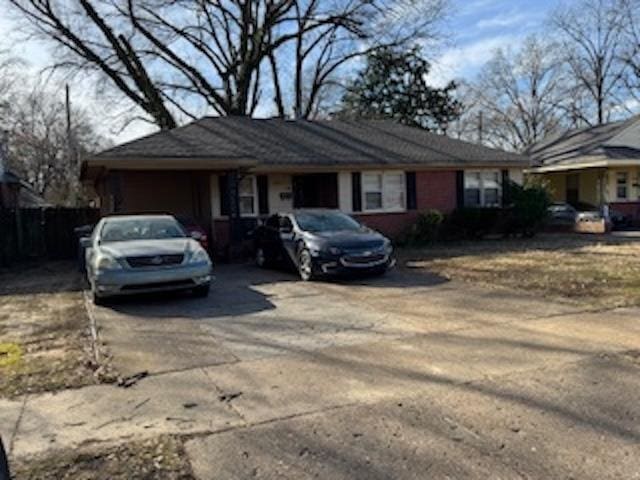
(161, 458)
(600, 272)
(44, 342)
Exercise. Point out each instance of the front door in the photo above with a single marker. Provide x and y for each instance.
(573, 189)
(315, 190)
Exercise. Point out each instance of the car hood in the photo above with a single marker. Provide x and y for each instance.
(349, 239)
(144, 248)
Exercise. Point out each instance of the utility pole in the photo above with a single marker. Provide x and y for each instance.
(67, 104)
(71, 150)
(4, 148)
(480, 127)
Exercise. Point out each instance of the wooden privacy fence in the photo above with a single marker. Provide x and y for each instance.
(41, 233)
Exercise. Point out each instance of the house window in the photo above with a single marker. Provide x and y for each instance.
(622, 185)
(247, 195)
(491, 188)
(383, 191)
(472, 189)
(372, 191)
(482, 188)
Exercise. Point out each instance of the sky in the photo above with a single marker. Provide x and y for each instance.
(475, 29)
(479, 27)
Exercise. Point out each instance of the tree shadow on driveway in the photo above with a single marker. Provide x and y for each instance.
(243, 289)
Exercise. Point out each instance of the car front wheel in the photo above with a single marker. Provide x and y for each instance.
(97, 299)
(202, 291)
(305, 265)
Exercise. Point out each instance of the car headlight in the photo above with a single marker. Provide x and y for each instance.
(199, 256)
(314, 250)
(335, 251)
(387, 246)
(107, 262)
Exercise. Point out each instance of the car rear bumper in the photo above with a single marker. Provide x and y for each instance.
(132, 281)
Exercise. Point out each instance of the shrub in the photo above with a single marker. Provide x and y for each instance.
(525, 214)
(530, 206)
(472, 222)
(426, 229)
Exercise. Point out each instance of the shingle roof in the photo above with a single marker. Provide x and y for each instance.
(278, 142)
(8, 177)
(612, 140)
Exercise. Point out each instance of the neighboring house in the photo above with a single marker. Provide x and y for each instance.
(597, 166)
(17, 193)
(217, 169)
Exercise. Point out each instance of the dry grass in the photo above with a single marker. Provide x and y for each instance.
(162, 458)
(592, 270)
(43, 331)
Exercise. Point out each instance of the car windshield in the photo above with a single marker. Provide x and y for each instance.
(120, 230)
(326, 221)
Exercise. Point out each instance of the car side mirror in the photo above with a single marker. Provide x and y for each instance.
(286, 229)
(85, 242)
(197, 236)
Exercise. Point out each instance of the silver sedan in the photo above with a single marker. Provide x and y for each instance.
(144, 253)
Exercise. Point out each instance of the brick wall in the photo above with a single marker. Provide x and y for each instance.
(389, 224)
(434, 190)
(176, 192)
(628, 208)
(187, 193)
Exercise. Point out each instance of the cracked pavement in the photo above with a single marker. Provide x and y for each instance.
(404, 376)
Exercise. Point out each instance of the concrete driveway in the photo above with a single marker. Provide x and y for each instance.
(394, 377)
(407, 376)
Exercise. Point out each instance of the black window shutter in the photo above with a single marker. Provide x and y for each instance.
(263, 194)
(356, 191)
(460, 188)
(506, 188)
(223, 186)
(412, 197)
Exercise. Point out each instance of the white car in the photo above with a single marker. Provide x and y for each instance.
(144, 253)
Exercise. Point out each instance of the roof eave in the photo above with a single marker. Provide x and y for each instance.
(601, 163)
(168, 163)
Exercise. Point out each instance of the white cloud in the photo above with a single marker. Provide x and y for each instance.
(475, 6)
(503, 20)
(466, 60)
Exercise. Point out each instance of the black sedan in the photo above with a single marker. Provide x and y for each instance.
(321, 242)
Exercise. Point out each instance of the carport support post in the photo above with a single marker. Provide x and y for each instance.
(233, 198)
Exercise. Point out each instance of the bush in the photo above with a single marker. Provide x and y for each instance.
(426, 229)
(530, 206)
(525, 214)
(472, 223)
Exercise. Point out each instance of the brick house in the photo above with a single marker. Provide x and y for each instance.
(594, 166)
(228, 173)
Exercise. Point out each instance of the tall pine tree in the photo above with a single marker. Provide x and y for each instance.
(393, 85)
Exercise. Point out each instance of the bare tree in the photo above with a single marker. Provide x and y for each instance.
(229, 39)
(354, 29)
(592, 34)
(9, 78)
(630, 55)
(519, 95)
(42, 149)
(174, 58)
(94, 38)
(469, 124)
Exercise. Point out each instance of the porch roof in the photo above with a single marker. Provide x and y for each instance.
(608, 145)
(220, 142)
